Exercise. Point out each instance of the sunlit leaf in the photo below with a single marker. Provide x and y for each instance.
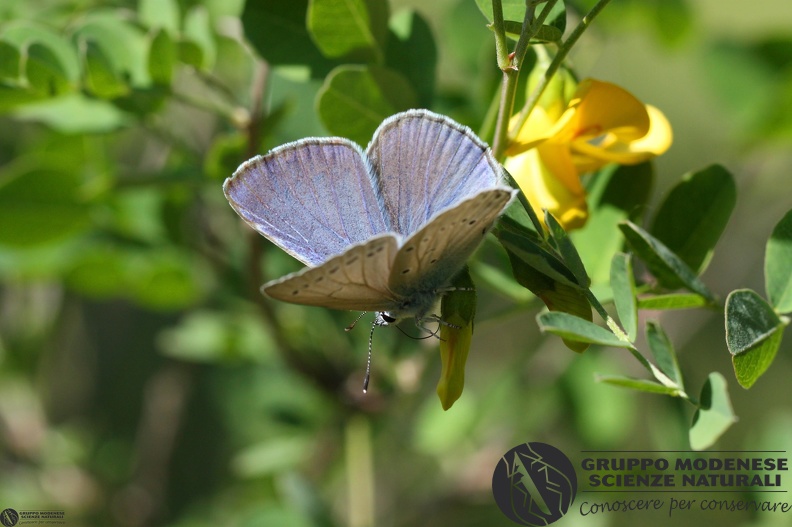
(354, 100)
(623, 285)
(74, 113)
(663, 352)
(575, 328)
(160, 14)
(198, 28)
(162, 58)
(669, 269)
(715, 414)
(641, 385)
(101, 78)
(672, 301)
(778, 265)
(693, 216)
(44, 71)
(617, 193)
(412, 52)
(753, 334)
(354, 29)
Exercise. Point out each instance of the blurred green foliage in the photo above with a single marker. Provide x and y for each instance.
(144, 380)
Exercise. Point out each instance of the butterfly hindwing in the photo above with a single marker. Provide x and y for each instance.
(312, 198)
(354, 280)
(431, 256)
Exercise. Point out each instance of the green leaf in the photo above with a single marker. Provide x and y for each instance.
(160, 14)
(500, 281)
(412, 52)
(100, 75)
(44, 71)
(40, 205)
(211, 337)
(162, 58)
(672, 301)
(669, 269)
(124, 45)
(165, 281)
(354, 100)
(752, 363)
(617, 193)
(198, 28)
(778, 267)
(623, 285)
(663, 353)
(753, 334)
(74, 114)
(22, 34)
(642, 385)
(457, 308)
(715, 414)
(277, 31)
(98, 272)
(10, 61)
(749, 320)
(353, 29)
(557, 296)
(190, 53)
(524, 245)
(693, 216)
(575, 328)
(567, 250)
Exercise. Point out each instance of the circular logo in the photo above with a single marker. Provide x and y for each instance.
(9, 517)
(534, 484)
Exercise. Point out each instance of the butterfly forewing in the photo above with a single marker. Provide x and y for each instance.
(313, 198)
(426, 163)
(430, 257)
(355, 280)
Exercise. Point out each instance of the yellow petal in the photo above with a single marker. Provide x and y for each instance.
(536, 130)
(546, 189)
(602, 111)
(656, 141)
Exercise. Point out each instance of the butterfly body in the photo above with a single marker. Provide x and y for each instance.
(382, 230)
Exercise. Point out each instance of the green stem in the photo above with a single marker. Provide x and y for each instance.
(511, 71)
(563, 51)
(359, 471)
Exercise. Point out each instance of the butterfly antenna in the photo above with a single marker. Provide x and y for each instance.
(368, 361)
(352, 325)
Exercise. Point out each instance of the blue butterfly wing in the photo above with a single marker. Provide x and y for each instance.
(312, 198)
(425, 163)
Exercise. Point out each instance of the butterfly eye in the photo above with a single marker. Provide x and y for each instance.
(387, 318)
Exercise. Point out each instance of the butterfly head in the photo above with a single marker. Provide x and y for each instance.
(384, 318)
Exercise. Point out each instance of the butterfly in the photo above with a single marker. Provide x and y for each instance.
(382, 230)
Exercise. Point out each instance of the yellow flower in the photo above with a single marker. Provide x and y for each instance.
(602, 124)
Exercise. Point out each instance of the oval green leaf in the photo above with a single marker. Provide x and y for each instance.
(163, 54)
(672, 301)
(753, 335)
(623, 285)
(353, 29)
(575, 328)
(642, 385)
(669, 269)
(778, 265)
(354, 100)
(693, 216)
(617, 193)
(715, 414)
(663, 353)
